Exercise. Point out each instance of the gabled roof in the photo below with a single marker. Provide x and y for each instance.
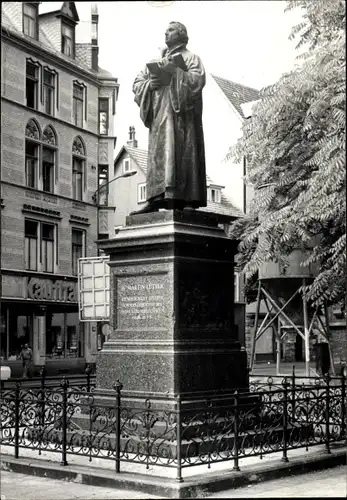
(236, 93)
(68, 9)
(138, 155)
(225, 207)
(44, 41)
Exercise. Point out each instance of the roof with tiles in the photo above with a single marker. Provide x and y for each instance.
(44, 43)
(237, 93)
(103, 73)
(225, 207)
(138, 155)
(84, 54)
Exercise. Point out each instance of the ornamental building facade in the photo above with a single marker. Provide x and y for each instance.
(57, 136)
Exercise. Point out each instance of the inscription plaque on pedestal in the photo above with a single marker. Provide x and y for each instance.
(141, 301)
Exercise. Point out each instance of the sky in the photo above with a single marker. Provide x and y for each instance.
(245, 41)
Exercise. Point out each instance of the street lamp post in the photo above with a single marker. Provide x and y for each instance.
(96, 196)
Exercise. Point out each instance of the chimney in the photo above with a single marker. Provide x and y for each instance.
(95, 48)
(132, 142)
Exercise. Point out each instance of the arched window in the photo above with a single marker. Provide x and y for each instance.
(32, 146)
(40, 157)
(49, 148)
(78, 168)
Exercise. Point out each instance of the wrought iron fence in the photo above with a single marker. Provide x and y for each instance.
(82, 382)
(175, 432)
(275, 382)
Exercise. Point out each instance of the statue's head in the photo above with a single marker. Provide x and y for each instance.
(176, 33)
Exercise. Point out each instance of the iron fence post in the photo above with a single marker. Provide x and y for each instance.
(343, 405)
(293, 392)
(88, 371)
(118, 387)
(42, 404)
(64, 385)
(179, 440)
(236, 430)
(16, 420)
(285, 419)
(327, 414)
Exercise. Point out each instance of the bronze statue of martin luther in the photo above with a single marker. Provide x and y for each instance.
(169, 94)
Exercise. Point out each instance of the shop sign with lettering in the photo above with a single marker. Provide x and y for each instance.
(54, 290)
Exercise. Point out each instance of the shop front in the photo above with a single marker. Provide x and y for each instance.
(43, 313)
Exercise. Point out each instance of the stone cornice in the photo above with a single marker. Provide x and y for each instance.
(59, 120)
(53, 57)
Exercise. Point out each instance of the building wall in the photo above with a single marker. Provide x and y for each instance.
(13, 85)
(20, 202)
(222, 127)
(124, 191)
(13, 216)
(14, 120)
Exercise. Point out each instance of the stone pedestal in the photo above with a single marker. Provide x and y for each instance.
(172, 309)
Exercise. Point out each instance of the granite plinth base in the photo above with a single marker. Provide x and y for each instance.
(172, 308)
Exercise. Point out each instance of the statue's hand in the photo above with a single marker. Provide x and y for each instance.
(166, 65)
(154, 82)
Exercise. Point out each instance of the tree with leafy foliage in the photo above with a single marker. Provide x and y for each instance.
(294, 145)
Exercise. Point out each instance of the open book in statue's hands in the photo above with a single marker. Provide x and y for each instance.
(155, 69)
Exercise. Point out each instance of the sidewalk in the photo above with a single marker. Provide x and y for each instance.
(198, 481)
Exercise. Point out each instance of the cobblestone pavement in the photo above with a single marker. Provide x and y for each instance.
(24, 487)
(326, 483)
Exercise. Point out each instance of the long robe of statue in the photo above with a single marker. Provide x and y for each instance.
(173, 114)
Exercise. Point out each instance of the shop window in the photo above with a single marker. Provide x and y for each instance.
(103, 115)
(32, 83)
(65, 335)
(15, 330)
(67, 40)
(3, 337)
(31, 237)
(49, 79)
(78, 167)
(77, 250)
(30, 20)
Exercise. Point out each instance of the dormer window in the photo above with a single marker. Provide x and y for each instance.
(67, 40)
(30, 12)
(214, 195)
